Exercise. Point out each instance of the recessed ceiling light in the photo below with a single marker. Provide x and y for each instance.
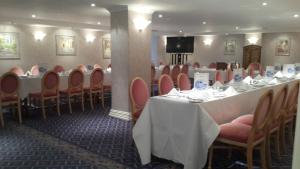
(180, 31)
(237, 27)
(99, 23)
(33, 16)
(93, 5)
(203, 22)
(226, 34)
(160, 15)
(296, 16)
(264, 4)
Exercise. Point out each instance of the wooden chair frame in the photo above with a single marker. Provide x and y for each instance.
(98, 86)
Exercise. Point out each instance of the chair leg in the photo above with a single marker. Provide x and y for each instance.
(290, 128)
(250, 157)
(43, 108)
(82, 102)
(263, 155)
(1, 117)
(282, 138)
(102, 99)
(277, 146)
(70, 106)
(268, 151)
(19, 111)
(58, 106)
(91, 100)
(210, 156)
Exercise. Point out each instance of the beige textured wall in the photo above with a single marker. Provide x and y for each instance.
(44, 52)
(207, 54)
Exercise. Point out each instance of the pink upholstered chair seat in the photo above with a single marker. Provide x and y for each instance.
(72, 91)
(9, 98)
(236, 132)
(137, 114)
(46, 94)
(245, 119)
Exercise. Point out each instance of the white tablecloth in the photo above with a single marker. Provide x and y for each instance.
(181, 131)
(33, 84)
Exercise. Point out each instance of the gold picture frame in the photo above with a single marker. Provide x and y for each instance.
(65, 45)
(9, 45)
(106, 46)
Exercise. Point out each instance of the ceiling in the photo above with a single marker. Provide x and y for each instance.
(221, 16)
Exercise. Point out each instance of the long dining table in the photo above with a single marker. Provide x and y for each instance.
(30, 84)
(178, 129)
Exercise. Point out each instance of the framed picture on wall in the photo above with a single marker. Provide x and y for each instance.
(283, 47)
(9, 45)
(65, 45)
(230, 47)
(106, 46)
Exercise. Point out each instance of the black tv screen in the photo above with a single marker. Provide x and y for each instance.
(180, 44)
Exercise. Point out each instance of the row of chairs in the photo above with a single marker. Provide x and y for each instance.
(273, 117)
(9, 90)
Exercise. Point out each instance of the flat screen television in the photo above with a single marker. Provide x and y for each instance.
(180, 44)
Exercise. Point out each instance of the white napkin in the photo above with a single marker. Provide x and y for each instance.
(108, 69)
(279, 74)
(298, 76)
(28, 73)
(217, 84)
(230, 91)
(248, 80)
(273, 82)
(258, 77)
(231, 81)
(173, 92)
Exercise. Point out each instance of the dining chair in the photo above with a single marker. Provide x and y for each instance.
(253, 68)
(247, 137)
(96, 87)
(139, 95)
(274, 124)
(166, 70)
(82, 68)
(9, 94)
(229, 75)
(58, 69)
(219, 76)
(75, 88)
(35, 70)
(97, 66)
(165, 84)
(183, 82)
(50, 91)
(17, 70)
(174, 73)
(289, 115)
(185, 69)
(212, 65)
(196, 65)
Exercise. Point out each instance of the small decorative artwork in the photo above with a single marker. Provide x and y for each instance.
(230, 47)
(65, 45)
(9, 45)
(106, 45)
(283, 47)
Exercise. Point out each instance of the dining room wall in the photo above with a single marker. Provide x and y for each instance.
(43, 52)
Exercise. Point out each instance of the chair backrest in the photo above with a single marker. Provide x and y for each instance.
(261, 114)
(165, 84)
(97, 66)
(109, 66)
(183, 82)
(35, 70)
(278, 105)
(196, 65)
(255, 67)
(50, 82)
(76, 79)
(185, 69)
(153, 72)
(82, 68)
(229, 75)
(139, 94)
(221, 65)
(292, 101)
(166, 70)
(96, 79)
(58, 69)
(9, 84)
(175, 72)
(17, 70)
(219, 76)
(212, 65)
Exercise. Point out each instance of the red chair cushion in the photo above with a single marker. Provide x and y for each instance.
(9, 98)
(245, 119)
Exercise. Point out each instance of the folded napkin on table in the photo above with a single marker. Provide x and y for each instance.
(279, 74)
(173, 92)
(298, 76)
(258, 77)
(230, 91)
(248, 80)
(273, 82)
(217, 84)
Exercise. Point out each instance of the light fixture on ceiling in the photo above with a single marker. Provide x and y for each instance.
(93, 5)
(33, 16)
(226, 34)
(39, 35)
(204, 23)
(296, 16)
(207, 41)
(180, 31)
(160, 15)
(141, 23)
(252, 40)
(98, 23)
(90, 38)
(264, 4)
(237, 27)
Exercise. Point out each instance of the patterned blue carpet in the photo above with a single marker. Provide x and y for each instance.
(89, 140)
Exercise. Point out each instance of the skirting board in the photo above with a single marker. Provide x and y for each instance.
(120, 114)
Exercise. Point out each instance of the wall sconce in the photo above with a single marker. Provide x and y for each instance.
(90, 38)
(141, 23)
(207, 42)
(39, 36)
(253, 40)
